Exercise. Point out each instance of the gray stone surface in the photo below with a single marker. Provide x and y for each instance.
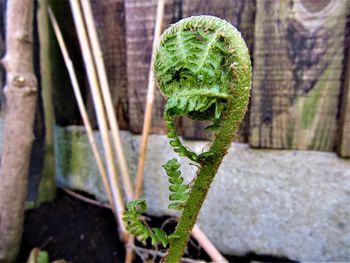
(283, 203)
(75, 164)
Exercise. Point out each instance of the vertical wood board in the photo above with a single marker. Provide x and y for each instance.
(140, 18)
(298, 63)
(2, 50)
(109, 19)
(344, 129)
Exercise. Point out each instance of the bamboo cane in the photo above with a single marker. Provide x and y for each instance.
(112, 119)
(207, 245)
(100, 114)
(81, 106)
(149, 104)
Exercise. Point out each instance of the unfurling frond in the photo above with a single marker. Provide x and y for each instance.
(137, 228)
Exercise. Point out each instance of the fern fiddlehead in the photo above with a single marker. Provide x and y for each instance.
(188, 68)
(202, 67)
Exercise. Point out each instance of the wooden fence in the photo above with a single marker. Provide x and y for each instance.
(301, 67)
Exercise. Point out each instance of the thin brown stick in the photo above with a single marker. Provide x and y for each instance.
(207, 245)
(161, 254)
(143, 148)
(100, 114)
(86, 199)
(81, 106)
(149, 104)
(146, 122)
(112, 119)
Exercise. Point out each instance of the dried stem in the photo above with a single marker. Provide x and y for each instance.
(207, 245)
(86, 199)
(149, 104)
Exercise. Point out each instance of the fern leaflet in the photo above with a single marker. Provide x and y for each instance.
(179, 190)
(136, 227)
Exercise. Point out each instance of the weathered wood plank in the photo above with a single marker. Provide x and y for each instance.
(46, 187)
(110, 24)
(298, 62)
(37, 151)
(344, 129)
(140, 20)
(241, 14)
(2, 49)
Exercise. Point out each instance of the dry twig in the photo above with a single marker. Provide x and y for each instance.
(86, 199)
(207, 245)
(149, 104)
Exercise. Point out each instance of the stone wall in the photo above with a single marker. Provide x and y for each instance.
(276, 202)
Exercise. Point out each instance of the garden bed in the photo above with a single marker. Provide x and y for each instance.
(80, 232)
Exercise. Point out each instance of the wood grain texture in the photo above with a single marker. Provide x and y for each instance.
(344, 128)
(2, 50)
(241, 14)
(38, 146)
(298, 61)
(109, 18)
(140, 21)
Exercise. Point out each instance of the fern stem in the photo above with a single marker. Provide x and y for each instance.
(200, 189)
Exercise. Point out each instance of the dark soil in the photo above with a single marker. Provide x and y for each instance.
(79, 232)
(72, 230)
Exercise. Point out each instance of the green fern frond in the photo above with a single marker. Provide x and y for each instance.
(202, 67)
(179, 190)
(194, 68)
(175, 140)
(136, 227)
